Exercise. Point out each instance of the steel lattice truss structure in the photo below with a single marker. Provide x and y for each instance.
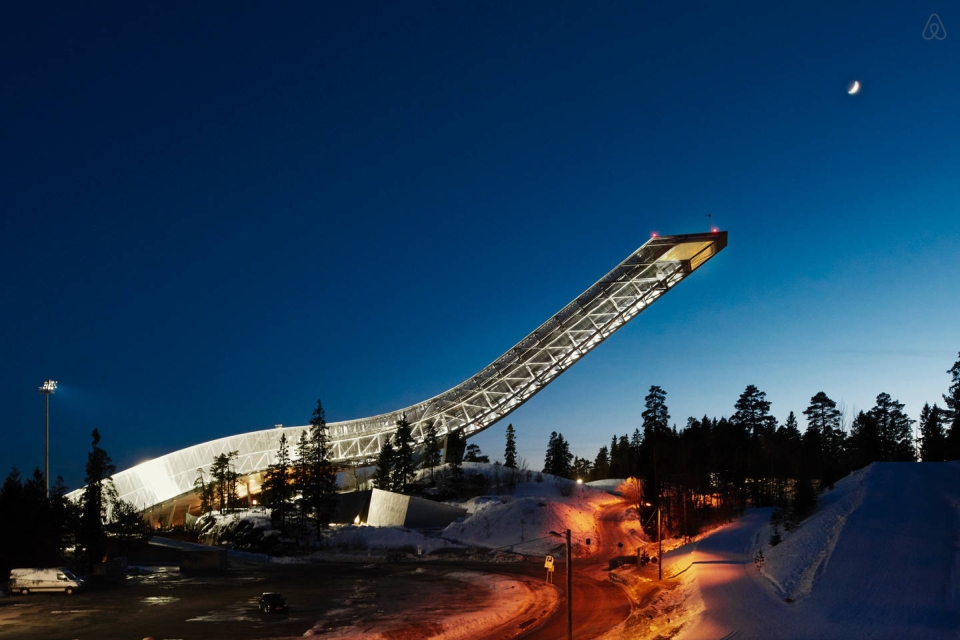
(473, 405)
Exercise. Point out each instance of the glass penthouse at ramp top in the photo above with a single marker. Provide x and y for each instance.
(164, 486)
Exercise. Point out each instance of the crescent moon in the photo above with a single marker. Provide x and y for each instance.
(854, 87)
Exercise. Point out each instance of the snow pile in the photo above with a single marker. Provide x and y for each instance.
(793, 565)
(522, 521)
(216, 526)
(350, 540)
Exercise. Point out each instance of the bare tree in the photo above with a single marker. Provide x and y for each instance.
(632, 491)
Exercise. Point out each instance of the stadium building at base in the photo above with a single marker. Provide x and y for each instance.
(163, 488)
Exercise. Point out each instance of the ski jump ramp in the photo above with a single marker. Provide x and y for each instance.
(474, 404)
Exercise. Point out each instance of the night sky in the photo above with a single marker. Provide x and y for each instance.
(214, 215)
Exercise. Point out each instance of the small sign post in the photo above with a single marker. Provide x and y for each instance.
(548, 563)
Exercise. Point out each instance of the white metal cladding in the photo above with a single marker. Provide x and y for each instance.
(473, 405)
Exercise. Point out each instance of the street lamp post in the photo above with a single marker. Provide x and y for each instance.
(659, 542)
(569, 584)
(49, 386)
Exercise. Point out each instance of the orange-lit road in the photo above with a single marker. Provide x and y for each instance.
(598, 604)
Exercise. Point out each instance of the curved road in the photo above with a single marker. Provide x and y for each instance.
(598, 604)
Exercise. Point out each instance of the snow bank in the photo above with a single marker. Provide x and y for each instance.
(360, 541)
(523, 520)
(794, 565)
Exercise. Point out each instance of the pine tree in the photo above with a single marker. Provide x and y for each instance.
(224, 477)
(403, 467)
(753, 411)
(473, 454)
(510, 450)
(204, 490)
(753, 417)
(95, 501)
(322, 488)
(581, 468)
(821, 440)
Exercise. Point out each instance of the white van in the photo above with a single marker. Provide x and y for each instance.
(24, 581)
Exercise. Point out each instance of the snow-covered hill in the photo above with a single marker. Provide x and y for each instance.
(880, 558)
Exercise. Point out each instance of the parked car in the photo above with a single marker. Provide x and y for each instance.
(23, 581)
(273, 603)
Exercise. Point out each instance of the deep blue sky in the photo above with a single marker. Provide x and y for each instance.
(212, 216)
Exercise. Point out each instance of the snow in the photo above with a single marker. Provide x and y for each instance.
(878, 559)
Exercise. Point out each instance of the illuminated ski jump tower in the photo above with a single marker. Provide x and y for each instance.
(473, 405)
(517, 375)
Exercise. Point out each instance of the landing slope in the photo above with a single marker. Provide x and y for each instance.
(879, 559)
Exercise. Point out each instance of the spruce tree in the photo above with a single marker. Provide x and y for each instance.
(322, 488)
(619, 457)
(277, 485)
(549, 464)
(864, 442)
(558, 461)
(895, 429)
(302, 472)
(510, 450)
(95, 501)
(431, 447)
(787, 454)
(65, 514)
(654, 448)
(383, 477)
(952, 413)
(933, 441)
(453, 453)
(403, 467)
(601, 465)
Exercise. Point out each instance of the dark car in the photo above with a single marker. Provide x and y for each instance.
(272, 603)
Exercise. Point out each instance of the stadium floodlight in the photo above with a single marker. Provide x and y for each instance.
(49, 386)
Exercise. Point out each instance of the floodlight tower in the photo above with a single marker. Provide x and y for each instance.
(49, 386)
